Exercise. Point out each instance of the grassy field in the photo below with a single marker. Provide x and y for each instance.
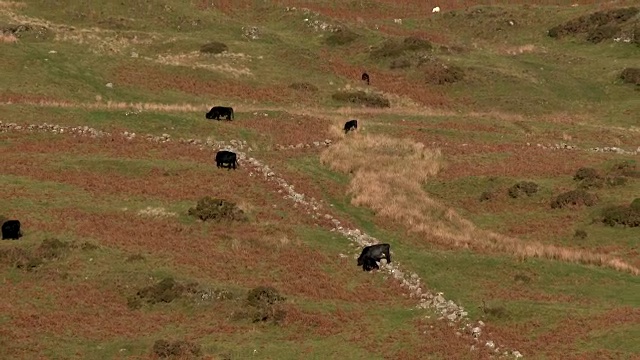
(463, 105)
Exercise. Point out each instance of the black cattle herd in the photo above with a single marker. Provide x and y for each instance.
(370, 254)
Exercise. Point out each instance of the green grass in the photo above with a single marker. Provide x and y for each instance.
(559, 77)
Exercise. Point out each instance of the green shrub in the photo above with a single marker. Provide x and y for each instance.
(388, 49)
(262, 305)
(209, 208)
(214, 47)
(602, 33)
(631, 75)
(401, 63)
(522, 188)
(574, 198)
(341, 37)
(622, 215)
(165, 291)
(440, 74)
(362, 98)
(580, 234)
(487, 195)
(176, 349)
(588, 178)
(413, 43)
(615, 180)
(264, 296)
(625, 168)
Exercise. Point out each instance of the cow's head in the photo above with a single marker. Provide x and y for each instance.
(360, 261)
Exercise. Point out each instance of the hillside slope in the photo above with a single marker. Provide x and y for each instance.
(491, 153)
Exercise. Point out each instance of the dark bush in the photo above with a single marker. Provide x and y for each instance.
(602, 33)
(164, 291)
(214, 47)
(588, 178)
(362, 98)
(522, 188)
(176, 349)
(625, 215)
(585, 173)
(16, 257)
(494, 311)
(208, 208)
(580, 234)
(631, 75)
(615, 180)
(413, 43)
(87, 246)
(487, 195)
(303, 86)
(441, 74)
(135, 257)
(574, 198)
(262, 305)
(401, 63)
(341, 37)
(48, 250)
(625, 168)
(388, 49)
(521, 278)
(52, 249)
(264, 296)
(594, 24)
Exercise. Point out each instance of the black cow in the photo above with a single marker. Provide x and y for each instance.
(11, 230)
(350, 125)
(217, 112)
(371, 254)
(365, 77)
(226, 157)
(370, 264)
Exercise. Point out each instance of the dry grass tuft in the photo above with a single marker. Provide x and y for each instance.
(11, 4)
(196, 60)
(387, 177)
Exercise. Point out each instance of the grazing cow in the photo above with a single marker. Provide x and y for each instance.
(365, 77)
(371, 254)
(350, 125)
(11, 230)
(370, 264)
(226, 157)
(217, 112)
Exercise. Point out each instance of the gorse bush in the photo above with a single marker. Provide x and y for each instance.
(209, 208)
(574, 198)
(631, 75)
(625, 215)
(214, 47)
(523, 188)
(179, 349)
(341, 37)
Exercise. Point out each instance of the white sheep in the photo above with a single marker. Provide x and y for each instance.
(436, 9)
